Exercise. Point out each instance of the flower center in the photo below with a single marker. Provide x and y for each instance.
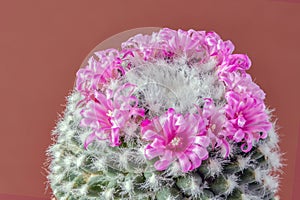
(241, 121)
(176, 141)
(213, 127)
(109, 113)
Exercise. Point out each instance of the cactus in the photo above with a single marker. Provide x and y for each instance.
(172, 115)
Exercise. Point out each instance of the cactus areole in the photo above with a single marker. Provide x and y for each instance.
(171, 115)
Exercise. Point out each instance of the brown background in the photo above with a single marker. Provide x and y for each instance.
(42, 45)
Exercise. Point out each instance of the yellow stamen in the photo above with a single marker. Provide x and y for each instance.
(109, 113)
(175, 141)
(213, 127)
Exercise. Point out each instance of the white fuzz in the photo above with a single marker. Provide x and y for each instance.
(215, 167)
(56, 168)
(113, 85)
(248, 197)
(271, 182)
(273, 156)
(63, 126)
(69, 134)
(83, 190)
(243, 162)
(174, 170)
(74, 97)
(163, 85)
(82, 137)
(109, 194)
(67, 186)
(68, 160)
(259, 173)
(195, 186)
(139, 157)
(128, 186)
(69, 118)
(274, 138)
(276, 197)
(58, 177)
(123, 159)
(70, 107)
(275, 160)
(131, 131)
(79, 160)
(57, 154)
(55, 191)
(265, 149)
(76, 114)
(232, 183)
(152, 183)
(100, 163)
(170, 198)
(208, 66)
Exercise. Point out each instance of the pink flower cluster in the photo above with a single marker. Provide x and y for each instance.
(173, 136)
(108, 114)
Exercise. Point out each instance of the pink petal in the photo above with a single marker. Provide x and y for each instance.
(158, 143)
(150, 134)
(208, 107)
(264, 135)
(89, 140)
(202, 140)
(137, 111)
(196, 161)
(169, 129)
(201, 152)
(227, 147)
(151, 152)
(115, 137)
(239, 135)
(145, 123)
(162, 164)
(249, 146)
(184, 162)
(102, 99)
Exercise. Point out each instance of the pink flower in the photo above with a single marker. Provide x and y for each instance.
(109, 114)
(215, 46)
(99, 71)
(176, 137)
(167, 43)
(180, 42)
(233, 63)
(145, 46)
(242, 83)
(215, 122)
(248, 120)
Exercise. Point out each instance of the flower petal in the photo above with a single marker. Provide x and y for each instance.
(196, 161)
(162, 164)
(184, 162)
(151, 152)
(115, 134)
(239, 135)
(202, 140)
(89, 139)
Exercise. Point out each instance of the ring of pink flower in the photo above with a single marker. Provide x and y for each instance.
(173, 136)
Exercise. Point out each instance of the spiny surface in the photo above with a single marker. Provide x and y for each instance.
(104, 172)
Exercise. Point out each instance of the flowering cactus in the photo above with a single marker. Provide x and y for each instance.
(172, 115)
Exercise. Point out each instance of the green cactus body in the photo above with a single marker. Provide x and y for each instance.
(101, 173)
